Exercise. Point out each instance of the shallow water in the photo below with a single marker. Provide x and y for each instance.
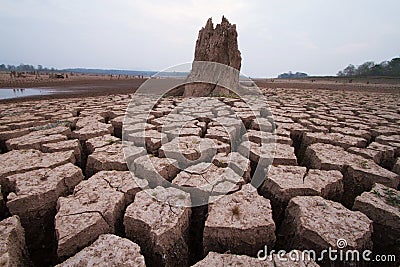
(7, 93)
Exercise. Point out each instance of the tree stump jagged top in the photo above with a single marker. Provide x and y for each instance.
(218, 45)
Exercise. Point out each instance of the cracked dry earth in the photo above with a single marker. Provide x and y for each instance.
(68, 198)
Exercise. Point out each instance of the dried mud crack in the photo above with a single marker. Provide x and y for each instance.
(67, 193)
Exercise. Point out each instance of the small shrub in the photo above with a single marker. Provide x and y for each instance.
(364, 164)
(389, 195)
(236, 211)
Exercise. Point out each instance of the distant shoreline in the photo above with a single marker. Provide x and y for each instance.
(86, 85)
(76, 86)
(76, 79)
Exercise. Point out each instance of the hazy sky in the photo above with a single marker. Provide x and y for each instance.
(314, 36)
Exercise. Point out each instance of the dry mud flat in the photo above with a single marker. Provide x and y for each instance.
(69, 199)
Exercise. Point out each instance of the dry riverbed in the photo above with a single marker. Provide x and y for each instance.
(68, 197)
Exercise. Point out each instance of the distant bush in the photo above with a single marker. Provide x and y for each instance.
(24, 67)
(386, 68)
(289, 75)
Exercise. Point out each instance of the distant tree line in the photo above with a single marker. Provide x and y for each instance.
(289, 75)
(25, 68)
(386, 68)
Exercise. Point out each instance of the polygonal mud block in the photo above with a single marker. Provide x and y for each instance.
(352, 132)
(155, 170)
(26, 124)
(229, 122)
(282, 119)
(206, 179)
(30, 141)
(51, 129)
(296, 130)
(257, 154)
(280, 131)
(221, 147)
(185, 131)
(173, 126)
(361, 174)
(284, 155)
(285, 182)
(222, 134)
(13, 251)
(262, 124)
(64, 146)
(356, 124)
(158, 220)
(397, 147)
(161, 122)
(240, 223)
(105, 159)
(128, 129)
(161, 111)
(19, 161)
(91, 130)
(386, 140)
(284, 140)
(368, 153)
(314, 128)
(269, 153)
(201, 103)
(326, 121)
(381, 205)
(247, 117)
(327, 157)
(328, 184)
(132, 152)
(150, 139)
(384, 130)
(100, 141)
(189, 150)
(19, 116)
(202, 114)
(173, 118)
(312, 222)
(95, 208)
(365, 173)
(260, 137)
(124, 182)
(240, 165)
(108, 249)
(222, 112)
(34, 194)
(336, 139)
(234, 160)
(387, 152)
(117, 124)
(90, 118)
(10, 134)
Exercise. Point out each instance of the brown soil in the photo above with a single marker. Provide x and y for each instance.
(84, 85)
(381, 85)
